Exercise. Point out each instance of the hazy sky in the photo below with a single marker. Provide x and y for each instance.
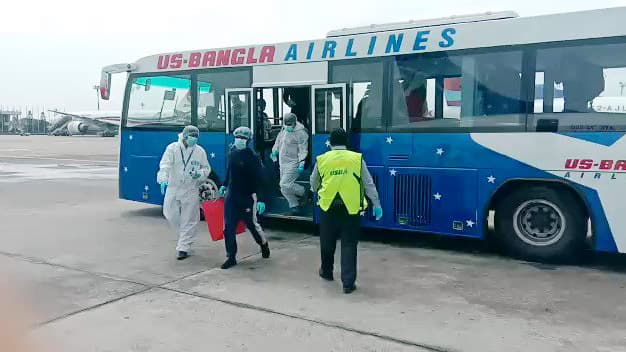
(52, 51)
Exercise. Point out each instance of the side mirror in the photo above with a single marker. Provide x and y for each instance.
(105, 85)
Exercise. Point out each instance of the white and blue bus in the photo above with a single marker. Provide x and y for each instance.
(458, 119)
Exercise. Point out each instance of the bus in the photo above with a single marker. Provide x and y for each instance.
(461, 120)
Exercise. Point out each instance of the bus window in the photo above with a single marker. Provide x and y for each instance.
(365, 82)
(212, 86)
(580, 88)
(266, 109)
(458, 92)
(159, 101)
(239, 106)
(328, 109)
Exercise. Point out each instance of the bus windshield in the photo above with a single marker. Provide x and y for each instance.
(159, 101)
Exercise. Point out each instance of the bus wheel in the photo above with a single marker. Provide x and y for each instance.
(541, 223)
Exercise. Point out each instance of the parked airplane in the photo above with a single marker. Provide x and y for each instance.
(102, 123)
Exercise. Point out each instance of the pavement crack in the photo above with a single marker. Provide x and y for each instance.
(328, 324)
(40, 261)
(95, 306)
(145, 287)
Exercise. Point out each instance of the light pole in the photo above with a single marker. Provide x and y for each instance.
(97, 88)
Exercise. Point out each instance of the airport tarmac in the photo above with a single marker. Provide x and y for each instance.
(100, 274)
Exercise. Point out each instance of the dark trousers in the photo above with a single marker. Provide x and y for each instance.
(234, 212)
(337, 223)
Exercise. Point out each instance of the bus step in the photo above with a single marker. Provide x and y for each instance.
(288, 217)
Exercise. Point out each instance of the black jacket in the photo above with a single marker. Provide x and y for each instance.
(244, 176)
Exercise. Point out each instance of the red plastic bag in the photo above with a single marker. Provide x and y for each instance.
(214, 217)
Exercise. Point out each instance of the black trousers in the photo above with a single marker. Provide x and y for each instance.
(234, 212)
(337, 223)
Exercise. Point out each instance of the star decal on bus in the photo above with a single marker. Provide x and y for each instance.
(125, 169)
(327, 143)
(146, 188)
(491, 179)
(389, 140)
(437, 196)
(393, 172)
(212, 155)
(440, 151)
(470, 223)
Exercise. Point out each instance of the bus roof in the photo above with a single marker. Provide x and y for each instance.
(397, 26)
(466, 32)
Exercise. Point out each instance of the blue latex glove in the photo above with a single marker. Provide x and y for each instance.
(221, 191)
(260, 208)
(301, 168)
(274, 156)
(378, 213)
(163, 186)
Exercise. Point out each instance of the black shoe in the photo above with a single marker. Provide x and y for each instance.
(265, 250)
(348, 290)
(182, 255)
(325, 276)
(229, 263)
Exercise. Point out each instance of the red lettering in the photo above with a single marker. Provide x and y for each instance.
(606, 164)
(176, 61)
(194, 59)
(238, 57)
(571, 163)
(208, 59)
(585, 164)
(620, 165)
(267, 54)
(223, 58)
(251, 60)
(164, 61)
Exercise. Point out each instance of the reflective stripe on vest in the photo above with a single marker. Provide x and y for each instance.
(340, 173)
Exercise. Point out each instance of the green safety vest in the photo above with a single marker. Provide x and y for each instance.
(340, 173)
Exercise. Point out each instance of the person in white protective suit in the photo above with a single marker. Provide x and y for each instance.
(183, 168)
(290, 150)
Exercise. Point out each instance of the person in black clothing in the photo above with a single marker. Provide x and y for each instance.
(242, 189)
(299, 100)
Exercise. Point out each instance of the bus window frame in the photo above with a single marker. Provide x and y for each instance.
(219, 70)
(193, 75)
(126, 101)
(349, 98)
(525, 51)
(534, 116)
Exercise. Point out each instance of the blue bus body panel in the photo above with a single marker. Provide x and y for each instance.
(140, 154)
(427, 182)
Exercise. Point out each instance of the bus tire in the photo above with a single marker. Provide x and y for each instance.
(541, 223)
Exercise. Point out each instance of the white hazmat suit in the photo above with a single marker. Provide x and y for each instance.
(292, 148)
(182, 199)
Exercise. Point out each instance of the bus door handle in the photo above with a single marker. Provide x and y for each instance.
(399, 157)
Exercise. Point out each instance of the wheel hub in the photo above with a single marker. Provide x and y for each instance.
(539, 222)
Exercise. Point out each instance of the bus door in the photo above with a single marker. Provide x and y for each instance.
(239, 112)
(329, 112)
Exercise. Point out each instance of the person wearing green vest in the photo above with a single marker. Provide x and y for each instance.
(342, 182)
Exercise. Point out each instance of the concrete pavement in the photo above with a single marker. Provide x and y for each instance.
(101, 275)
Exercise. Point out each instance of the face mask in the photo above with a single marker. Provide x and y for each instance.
(191, 141)
(240, 143)
(290, 128)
